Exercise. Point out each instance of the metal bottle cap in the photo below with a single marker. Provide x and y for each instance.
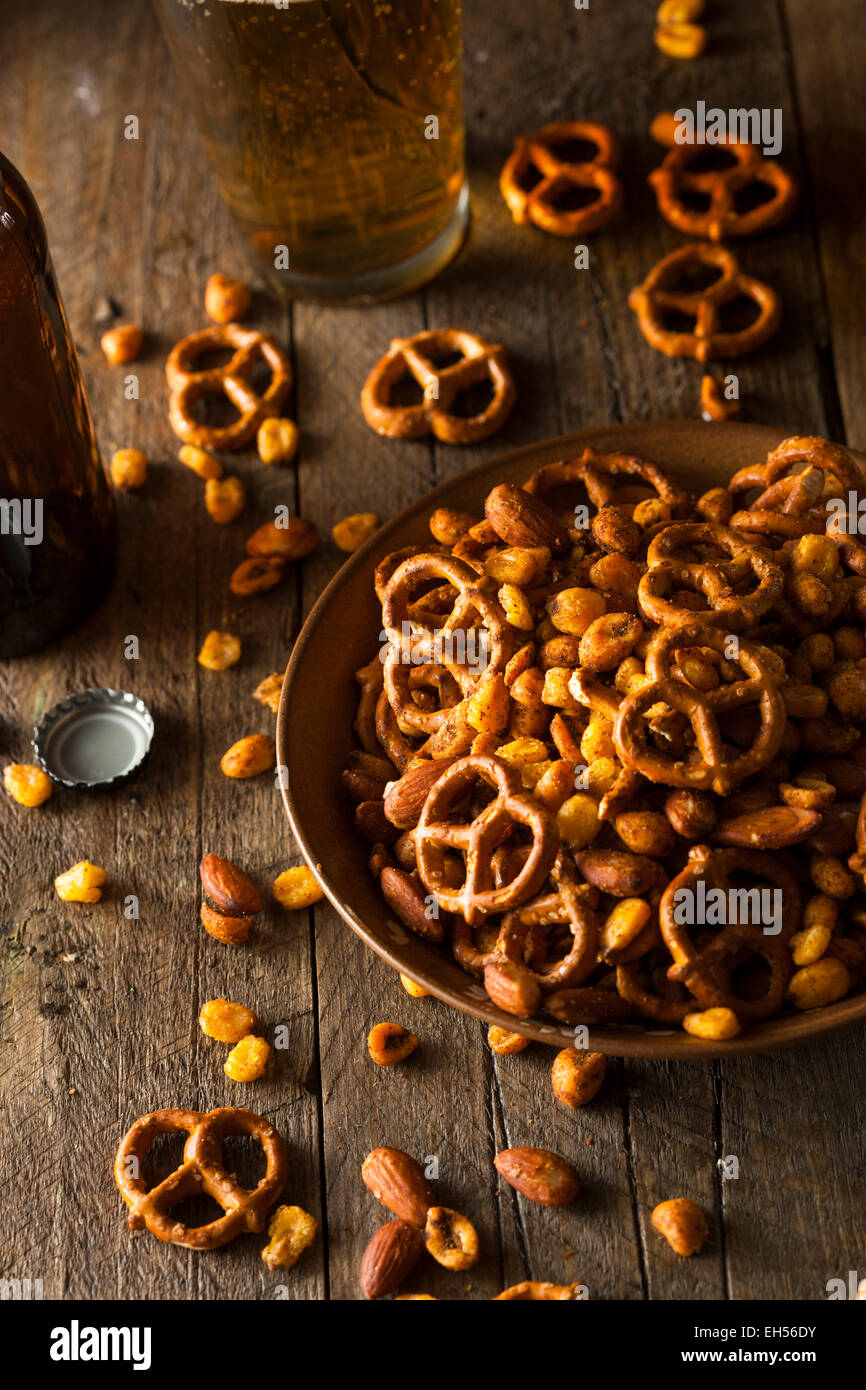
(94, 738)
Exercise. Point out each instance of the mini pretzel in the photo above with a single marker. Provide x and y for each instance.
(524, 937)
(441, 386)
(658, 295)
(436, 834)
(786, 494)
(720, 581)
(721, 220)
(188, 387)
(401, 680)
(475, 605)
(202, 1170)
(712, 769)
(535, 156)
(597, 473)
(700, 969)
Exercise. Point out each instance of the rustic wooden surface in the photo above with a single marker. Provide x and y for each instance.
(99, 1013)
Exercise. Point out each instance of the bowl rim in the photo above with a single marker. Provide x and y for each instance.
(629, 1039)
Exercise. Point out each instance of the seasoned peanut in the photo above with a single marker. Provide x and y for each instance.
(682, 1223)
(515, 606)
(831, 877)
(489, 705)
(129, 469)
(248, 1059)
(516, 565)
(597, 739)
(277, 440)
(353, 531)
(577, 820)
(256, 575)
(615, 574)
(121, 343)
(225, 1021)
(819, 984)
(292, 1230)
(623, 925)
(226, 299)
(413, 988)
(609, 640)
(249, 757)
(646, 832)
(389, 1043)
(27, 784)
(290, 538)
(230, 930)
(573, 610)
(577, 1076)
(717, 1024)
(297, 888)
(451, 1238)
(219, 650)
(681, 40)
(504, 1043)
(224, 498)
(268, 691)
(448, 527)
(83, 883)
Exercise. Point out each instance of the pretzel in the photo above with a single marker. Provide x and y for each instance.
(479, 838)
(525, 933)
(535, 154)
(700, 969)
(711, 769)
(441, 386)
(597, 472)
(202, 1170)
(707, 341)
(187, 387)
(720, 581)
(787, 504)
(400, 683)
(675, 178)
(475, 604)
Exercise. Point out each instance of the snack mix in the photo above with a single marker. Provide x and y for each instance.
(610, 756)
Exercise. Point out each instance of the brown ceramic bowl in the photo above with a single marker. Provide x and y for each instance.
(315, 735)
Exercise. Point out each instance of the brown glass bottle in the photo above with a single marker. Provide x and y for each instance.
(57, 540)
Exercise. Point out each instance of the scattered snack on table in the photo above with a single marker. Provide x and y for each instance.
(297, 888)
(205, 1169)
(548, 168)
(350, 533)
(289, 539)
(235, 901)
(187, 386)
(451, 1238)
(226, 299)
(577, 1077)
(200, 461)
(224, 498)
(128, 469)
(121, 343)
(680, 40)
(27, 784)
(257, 575)
(277, 440)
(268, 691)
(714, 404)
(397, 1181)
(292, 1231)
(389, 1258)
(83, 883)
(225, 1021)
(249, 757)
(248, 1059)
(682, 178)
(541, 1176)
(666, 290)
(533, 1291)
(506, 1044)
(230, 930)
(558, 803)
(219, 651)
(417, 356)
(389, 1043)
(682, 1223)
(411, 987)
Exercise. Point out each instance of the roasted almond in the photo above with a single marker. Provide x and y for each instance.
(228, 887)
(363, 785)
(520, 519)
(405, 800)
(390, 1258)
(292, 541)
(397, 1181)
(512, 987)
(587, 1005)
(618, 872)
(407, 897)
(374, 825)
(542, 1176)
(232, 931)
(773, 828)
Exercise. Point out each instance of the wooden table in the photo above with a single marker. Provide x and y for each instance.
(99, 1012)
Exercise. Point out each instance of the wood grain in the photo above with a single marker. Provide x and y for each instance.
(99, 1013)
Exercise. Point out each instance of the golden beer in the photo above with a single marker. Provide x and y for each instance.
(335, 131)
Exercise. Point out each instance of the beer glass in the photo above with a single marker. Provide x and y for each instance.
(335, 131)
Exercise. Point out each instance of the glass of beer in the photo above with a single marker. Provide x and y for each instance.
(335, 131)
